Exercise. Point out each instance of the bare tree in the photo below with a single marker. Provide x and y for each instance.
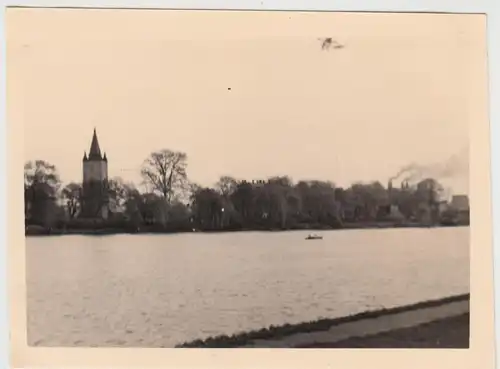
(226, 185)
(119, 193)
(165, 171)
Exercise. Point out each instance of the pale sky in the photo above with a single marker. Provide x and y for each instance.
(249, 95)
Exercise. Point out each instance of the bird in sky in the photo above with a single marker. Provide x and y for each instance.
(329, 42)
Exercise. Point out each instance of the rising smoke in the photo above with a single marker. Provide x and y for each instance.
(456, 165)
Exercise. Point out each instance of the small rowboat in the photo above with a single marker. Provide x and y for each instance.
(314, 237)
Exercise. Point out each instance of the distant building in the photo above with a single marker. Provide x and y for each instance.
(256, 182)
(395, 213)
(349, 212)
(443, 206)
(460, 202)
(389, 212)
(95, 200)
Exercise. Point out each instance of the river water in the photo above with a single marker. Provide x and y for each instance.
(161, 290)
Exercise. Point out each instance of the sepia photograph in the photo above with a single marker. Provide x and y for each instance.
(228, 186)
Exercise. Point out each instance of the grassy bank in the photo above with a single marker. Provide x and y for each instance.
(453, 332)
(276, 332)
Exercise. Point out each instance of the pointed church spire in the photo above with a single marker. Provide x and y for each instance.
(85, 155)
(95, 150)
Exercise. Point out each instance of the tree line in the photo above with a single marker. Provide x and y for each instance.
(172, 202)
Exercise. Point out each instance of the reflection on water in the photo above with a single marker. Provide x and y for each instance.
(158, 290)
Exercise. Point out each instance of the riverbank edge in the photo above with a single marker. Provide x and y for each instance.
(324, 324)
(452, 332)
(37, 232)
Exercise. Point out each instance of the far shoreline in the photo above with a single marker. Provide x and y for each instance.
(38, 231)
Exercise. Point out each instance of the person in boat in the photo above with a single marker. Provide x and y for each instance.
(313, 236)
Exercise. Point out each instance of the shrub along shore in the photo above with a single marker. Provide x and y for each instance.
(276, 332)
(111, 229)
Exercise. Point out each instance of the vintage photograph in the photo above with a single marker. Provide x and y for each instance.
(193, 182)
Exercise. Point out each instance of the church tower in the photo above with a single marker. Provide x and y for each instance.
(95, 201)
